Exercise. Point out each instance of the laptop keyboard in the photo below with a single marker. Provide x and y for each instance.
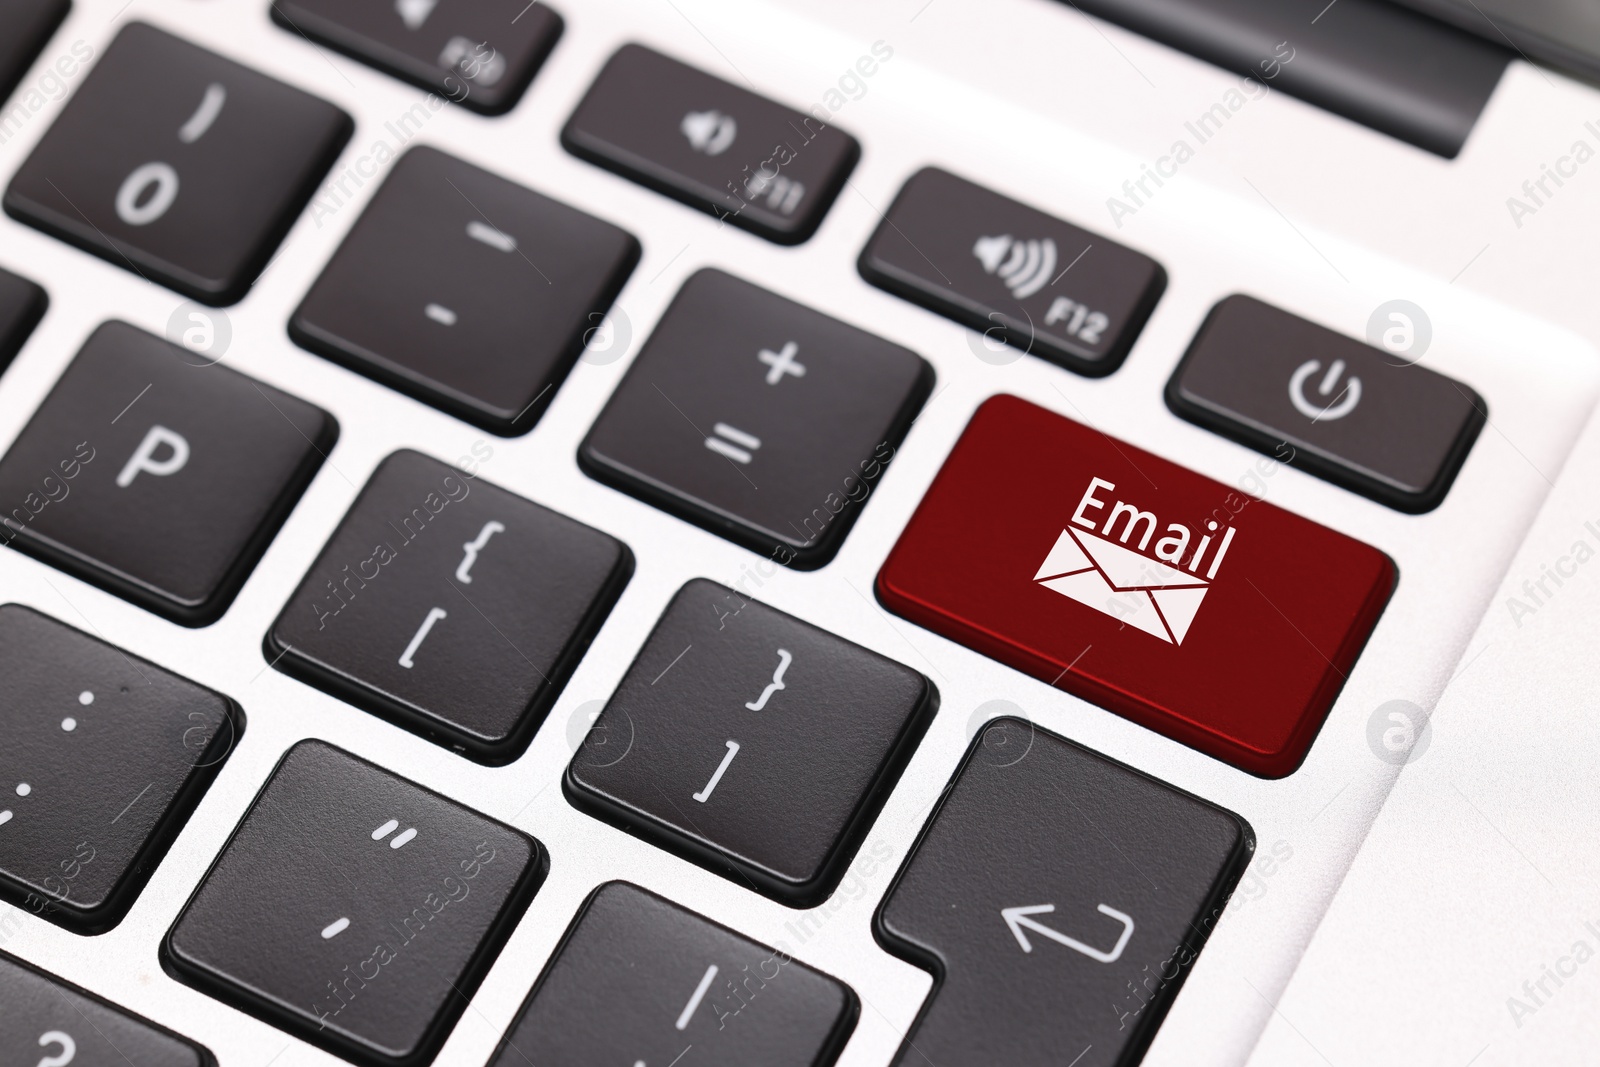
(358, 911)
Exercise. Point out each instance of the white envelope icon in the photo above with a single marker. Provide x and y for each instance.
(1145, 593)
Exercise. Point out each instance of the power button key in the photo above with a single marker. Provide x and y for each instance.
(1362, 418)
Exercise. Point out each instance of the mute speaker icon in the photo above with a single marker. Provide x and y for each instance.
(1025, 266)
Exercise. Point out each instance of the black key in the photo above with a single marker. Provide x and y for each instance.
(450, 606)
(757, 418)
(469, 292)
(713, 145)
(639, 980)
(22, 305)
(105, 757)
(354, 909)
(51, 1023)
(157, 475)
(480, 53)
(711, 744)
(1019, 275)
(180, 165)
(25, 27)
(1060, 900)
(1360, 417)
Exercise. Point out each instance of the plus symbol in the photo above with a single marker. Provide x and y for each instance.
(782, 363)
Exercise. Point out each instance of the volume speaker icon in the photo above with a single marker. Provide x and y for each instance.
(1025, 266)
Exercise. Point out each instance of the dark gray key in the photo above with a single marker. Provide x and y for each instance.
(22, 305)
(469, 292)
(354, 909)
(179, 165)
(450, 606)
(104, 759)
(711, 144)
(480, 53)
(1060, 899)
(25, 26)
(1343, 410)
(1019, 275)
(712, 744)
(157, 475)
(49, 1022)
(639, 980)
(757, 418)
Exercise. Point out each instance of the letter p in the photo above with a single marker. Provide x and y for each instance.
(143, 458)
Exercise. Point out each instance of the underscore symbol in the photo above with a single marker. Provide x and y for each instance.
(335, 928)
(434, 615)
(782, 362)
(1026, 271)
(699, 993)
(722, 768)
(472, 548)
(482, 231)
(1339, 407)
(784, 659)
(440, 314)
(733, 442)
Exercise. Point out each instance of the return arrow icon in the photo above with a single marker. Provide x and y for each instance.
(1018, 919)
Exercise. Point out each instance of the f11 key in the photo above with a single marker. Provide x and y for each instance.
(712, 145)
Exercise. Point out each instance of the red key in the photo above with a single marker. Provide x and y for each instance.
(1176, 601)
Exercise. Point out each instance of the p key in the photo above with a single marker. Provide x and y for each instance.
(1061, 899)
(178, 164)
(158, 475)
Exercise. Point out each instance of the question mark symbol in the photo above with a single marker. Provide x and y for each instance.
(69, 1048)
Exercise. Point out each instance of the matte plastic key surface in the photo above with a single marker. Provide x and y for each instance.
(22, 305)
(752, 742)
(354, 909)
(450, 605)
(638, 979)
(25, 26)
(465, 290)
(479, 53)
(157, 473)
(757, 418)
(711, 144)
(104, 758)
(177, 164)
(1042, 285)
(46, 1021)
(1372, 421)
(1060, 899)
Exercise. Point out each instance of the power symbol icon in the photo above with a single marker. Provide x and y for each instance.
(1328, 410)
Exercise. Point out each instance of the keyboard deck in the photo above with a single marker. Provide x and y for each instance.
(410, 714)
